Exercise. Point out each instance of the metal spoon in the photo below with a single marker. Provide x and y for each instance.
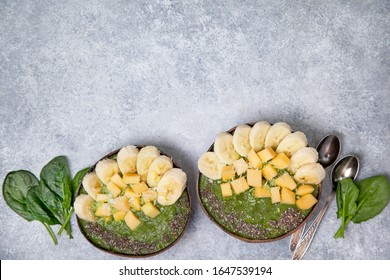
(328, 151)
(347, 167)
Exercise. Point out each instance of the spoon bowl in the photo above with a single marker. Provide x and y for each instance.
(328, 150)
(347, 167)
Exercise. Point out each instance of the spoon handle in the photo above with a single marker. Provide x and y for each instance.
(306, 240)
(295, 238)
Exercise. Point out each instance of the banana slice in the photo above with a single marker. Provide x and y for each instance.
(157, 169)
(210, 165)
(276, 133)
(145, 158)
(292, 143)
(83, 207)
(224, 148)
(105, 169)
(91, 184)
(312, 173)
(241, 139)
(257, 136)
(127, 159)
(301, 157)
(171, 186)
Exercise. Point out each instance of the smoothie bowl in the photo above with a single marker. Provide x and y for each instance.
(259, 182)
(133, 202)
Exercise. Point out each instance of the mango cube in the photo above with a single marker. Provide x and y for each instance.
(286, 181)
(117, 180)
(287, 196)
(149, 195)
(150, 210)
(269, 172)
(139, 187)
(266, 154)
(121, 203)
(131, 178)
(254, 159)
(275, 194)
(227, 172)
(119, 215)
(239, 185)
(129, 193)
(113, 189)
(132, 220)
(260, 192)
(240, 166)
(135, 203)
(102, 197)
(306, 202)
(103, 210)
(226, 190)
(304, 189)
(281, 161)
(254, 177)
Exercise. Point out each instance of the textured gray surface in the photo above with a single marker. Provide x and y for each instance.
(82, 79)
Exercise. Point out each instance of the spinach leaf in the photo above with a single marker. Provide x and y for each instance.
(19, 192)
(56, 176)
(348, 195)
(76, 182)
(51, 201)
(39, 209)
(15, 188)
(373, 198)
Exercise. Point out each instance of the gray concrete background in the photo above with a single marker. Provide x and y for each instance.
(82, 79)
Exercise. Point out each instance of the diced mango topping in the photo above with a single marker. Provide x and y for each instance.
(269, 172)
(239, 185)
(227, 172)
(306, 202)
(254, 159)
(254, 177)
(240, 166)
(281, 161)
(226, 190)
(266, 154)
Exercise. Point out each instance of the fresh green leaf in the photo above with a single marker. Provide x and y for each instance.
(56, 176)
(77, 179)
(39, 209)
(373, 197)
(51, 201)
(15, 189)
(348, 195)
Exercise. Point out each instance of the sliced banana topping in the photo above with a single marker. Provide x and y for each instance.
(210, 165)
(83, 207)
(105, 169)
(312, 173)
(241, 139)
(171, 186)
(276, 134)
(224, 148)
(257, 136)
(91, 184)
(145, 158)
(127, 159)
(301, 157)
(292, 143)
(159, 166)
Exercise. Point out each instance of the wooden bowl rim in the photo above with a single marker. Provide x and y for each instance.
(143, 255)
(244, 238)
